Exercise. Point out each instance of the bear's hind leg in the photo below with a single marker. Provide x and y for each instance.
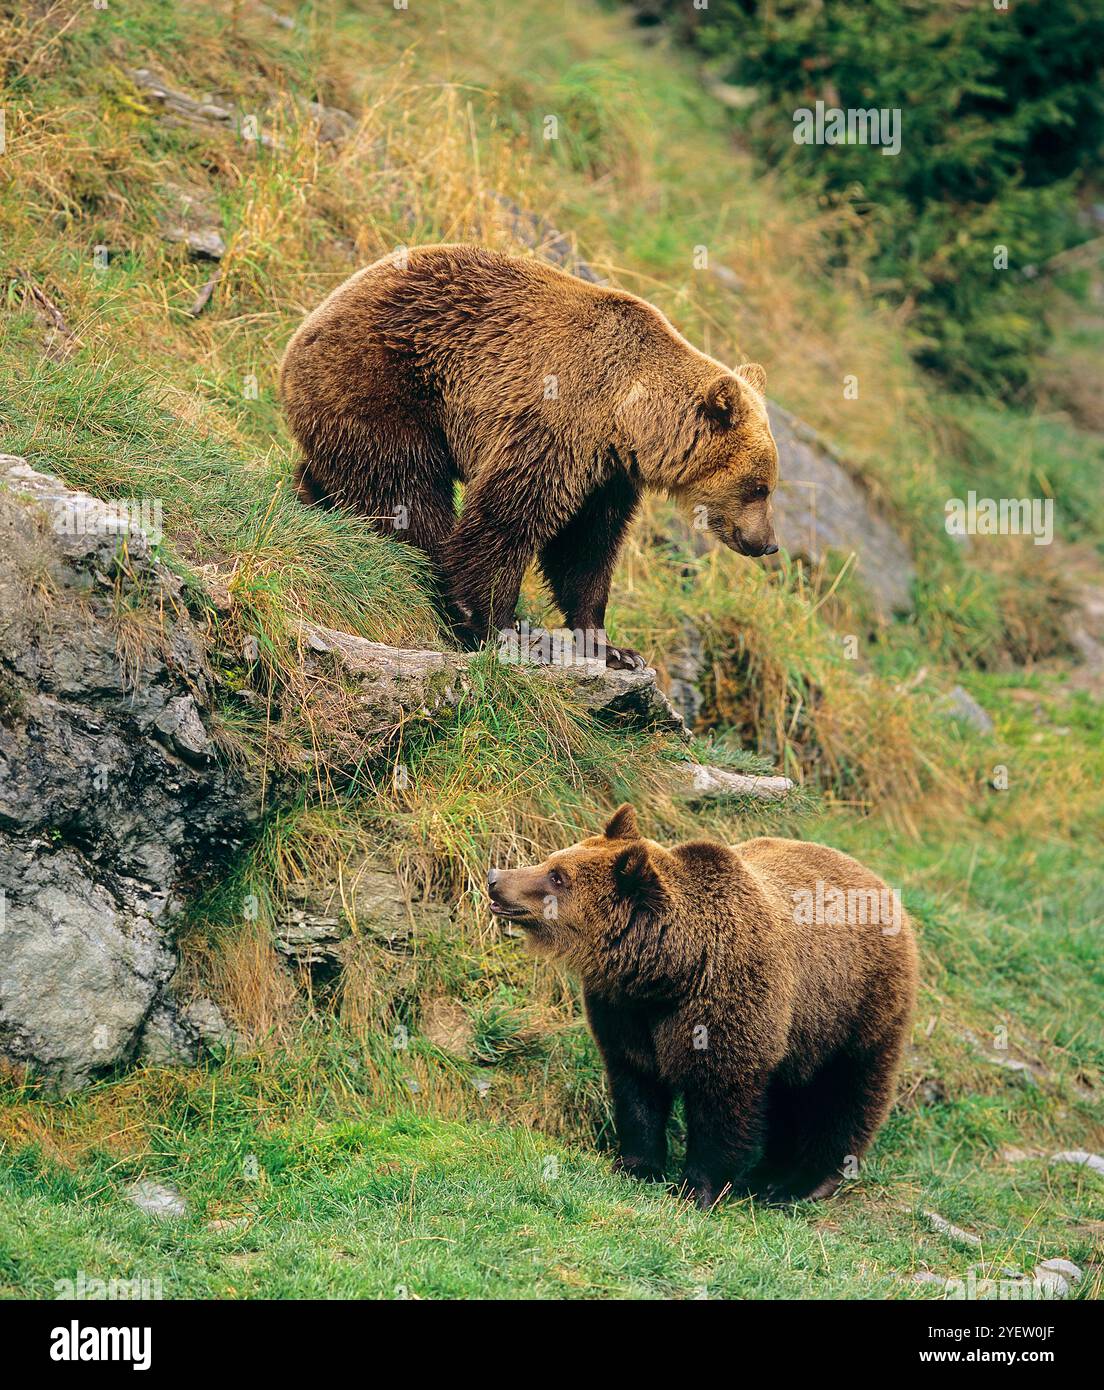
(311, 493)
(787, 1106)
(399, 476)
(832, 1121)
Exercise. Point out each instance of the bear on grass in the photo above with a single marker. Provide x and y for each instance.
(554, 401)
(705, 975)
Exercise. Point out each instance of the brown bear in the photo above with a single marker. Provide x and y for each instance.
(770, 983)
(553, 400)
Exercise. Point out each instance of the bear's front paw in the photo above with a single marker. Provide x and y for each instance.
(625, 659)
(703, 1191)
(633, 1166)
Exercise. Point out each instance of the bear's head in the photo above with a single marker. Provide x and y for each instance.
(736, 470)
(596, 906)
(714, 452)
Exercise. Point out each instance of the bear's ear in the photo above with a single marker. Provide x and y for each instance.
(622, 824)
(637, 881)
(721, 400)
(754, 375)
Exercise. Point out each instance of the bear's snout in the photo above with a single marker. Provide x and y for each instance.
(493, 891)
(748, 545)
(503, 903)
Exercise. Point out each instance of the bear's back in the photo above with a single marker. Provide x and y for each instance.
(853, 945)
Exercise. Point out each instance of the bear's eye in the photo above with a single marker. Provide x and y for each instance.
(761, 491)
(556, 879)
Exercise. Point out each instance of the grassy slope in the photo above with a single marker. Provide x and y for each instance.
(365, 1187)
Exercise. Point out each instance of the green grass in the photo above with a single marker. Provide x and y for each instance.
(383, 1170)
(107, 426)
(318, 1204)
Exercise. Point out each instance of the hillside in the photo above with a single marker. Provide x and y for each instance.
(422, 1109)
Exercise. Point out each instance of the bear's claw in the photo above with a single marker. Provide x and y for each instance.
(625, 659)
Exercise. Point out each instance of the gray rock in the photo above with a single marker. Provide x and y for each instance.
(821, 506)
(685, 662)
(1080, 1156)
(167, 1041)
(308, 937)
(158, 1199)
(204, 243)
(176, 1035)
(206, 1019)
(947, 1228)
(320, 926)
(378, 906)
(193, 221)
(960, 704)
(181, 109)
(395, 682)
(1055, 1278)
(536, 232)
(333, 125)
(110, 798)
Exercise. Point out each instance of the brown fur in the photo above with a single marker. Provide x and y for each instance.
(553, 400)
(784, 1039)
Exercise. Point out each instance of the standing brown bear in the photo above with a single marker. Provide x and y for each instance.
(771, 984)
(556, 402)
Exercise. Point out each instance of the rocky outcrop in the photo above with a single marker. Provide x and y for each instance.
(820, 506)
(396, 682)
(112, 801)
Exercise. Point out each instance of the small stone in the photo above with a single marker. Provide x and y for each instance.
(224, 1224)
(204, 243)
(1056, 1277)
(947, 1228)
(930, 1091)
(158, 1199)
(1012, 1154)
(205, 1016)
(1080, 1156)
(183, 729)
(960, 704)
